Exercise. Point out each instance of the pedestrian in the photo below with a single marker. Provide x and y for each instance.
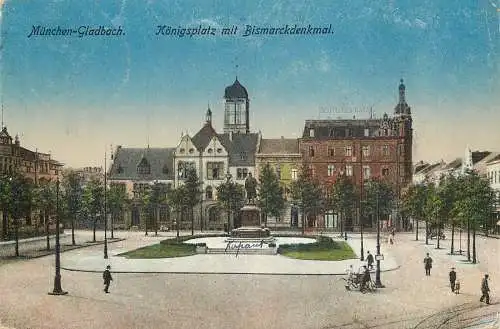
(106, 275)
(428, 265)
(485, 289)
(453, 278)
(369, 260)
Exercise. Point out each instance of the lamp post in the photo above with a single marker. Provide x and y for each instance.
(229, 185)
(378, 283)
(57, 280)
(362, 258)
(105, 210)
(15, 190)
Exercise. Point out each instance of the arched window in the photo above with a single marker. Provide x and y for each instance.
(209, 193)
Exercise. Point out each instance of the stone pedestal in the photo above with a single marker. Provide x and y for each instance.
(250, 216)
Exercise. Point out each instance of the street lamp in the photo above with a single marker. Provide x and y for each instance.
(105, 211)
(15, 189)
(378, 283)
(229, 185)
(362, 258)
(57, 280)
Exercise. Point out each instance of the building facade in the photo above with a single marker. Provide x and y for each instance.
(493, 173)
(136, 170)
(217, 156)
(361, 149)
(282, 154)
(37, 167)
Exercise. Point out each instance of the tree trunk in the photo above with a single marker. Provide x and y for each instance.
(17, 236)
(177, 223)
(73, 231)
(452, 238)
(192, 221)
(146, 217)
(468, 239)
(94, 228)
(474, 260)
(303, 223)
(5, 224)
(426, 231)
(416, 229)
(47, 228)
(156, 220)
(438, 233)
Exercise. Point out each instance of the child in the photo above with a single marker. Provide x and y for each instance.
(457, 287)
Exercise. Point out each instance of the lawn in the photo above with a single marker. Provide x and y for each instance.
(324, 249)
(162, 250)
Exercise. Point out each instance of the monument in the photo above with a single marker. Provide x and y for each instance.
(251, 229)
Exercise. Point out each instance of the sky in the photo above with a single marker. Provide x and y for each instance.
(77, 97)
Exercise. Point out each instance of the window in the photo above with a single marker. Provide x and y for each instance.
(348, 132)
(295, 174)
(241, 173)
(385, 150)
(332, 133)
(191, 151)
(182, 168)
(366, 151)
(219, 150)
(311, 132)
(348, 151)
(209, 193)
(331, 169)
(143, 168)
(386, 132)
(311, 151)
(348, 170)
(385, 171)
(278, 171)
(182, 150)
(401, 149)
(165, 169)
(366, 172)
(215, 170)
(243, 156)
(311, 170)
(210, 151)
(367, 132)
(119, 169)
(331, 151)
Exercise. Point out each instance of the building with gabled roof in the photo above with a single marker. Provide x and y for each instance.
(136, 170)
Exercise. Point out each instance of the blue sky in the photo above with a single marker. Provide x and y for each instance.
(77, 96)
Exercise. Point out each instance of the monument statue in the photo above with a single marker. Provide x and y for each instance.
(251, 188)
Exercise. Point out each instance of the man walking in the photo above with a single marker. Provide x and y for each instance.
(453, 278)
(428, 265)
(106, 275)
(369, 260)
(485, 289)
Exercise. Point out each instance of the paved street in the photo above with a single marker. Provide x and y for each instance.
(150, 300)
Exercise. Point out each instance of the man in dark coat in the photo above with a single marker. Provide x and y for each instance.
(106, 275)
(453, 278)
(428, 264)
(485, 289)
(369, 260)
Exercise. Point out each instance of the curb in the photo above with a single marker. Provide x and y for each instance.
(219, 273)
(52, 252)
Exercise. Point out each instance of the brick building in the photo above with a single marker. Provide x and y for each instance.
(361, 149)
